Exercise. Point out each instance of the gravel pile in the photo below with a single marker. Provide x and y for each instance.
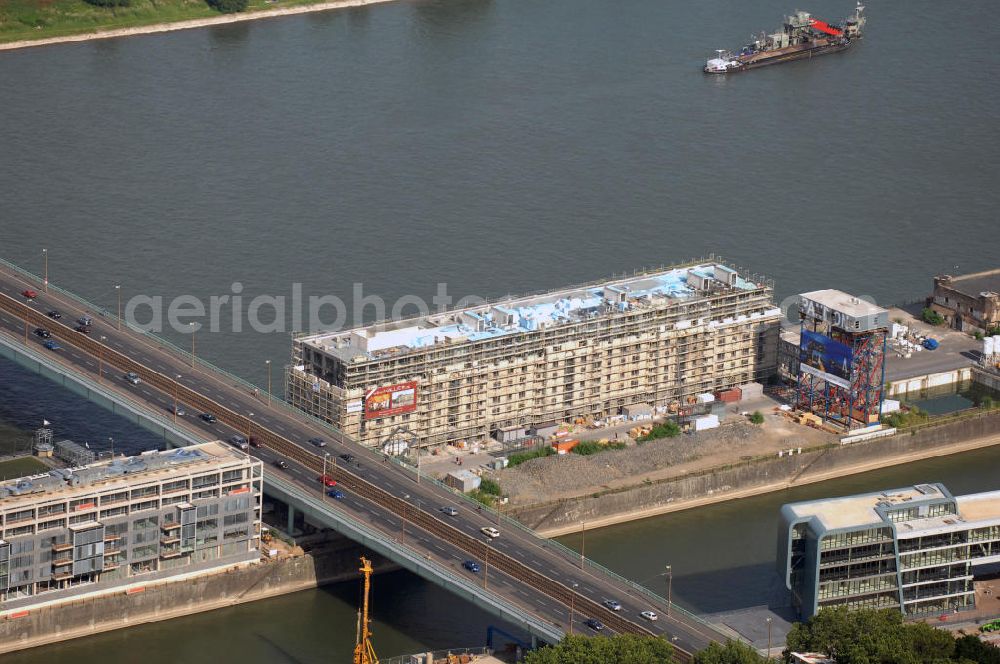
(548, 478)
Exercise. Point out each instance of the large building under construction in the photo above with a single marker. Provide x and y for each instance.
(656, 338)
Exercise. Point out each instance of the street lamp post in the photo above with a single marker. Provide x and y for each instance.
(486, 568)
(268, 363)
(402, 521)
(583, 542)
(191, 326)
(322, 479)
(572, 597)
(100, 360)
(769, 637)
(45, 278)
(118, 288)
(670, 583)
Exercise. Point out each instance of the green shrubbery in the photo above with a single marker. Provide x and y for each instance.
(757, 417)
(901, 420)
(931, 317)
(109, 3)
(520, 457)
(623, 648)
(588, 447)
(228, 6)
(662, 430)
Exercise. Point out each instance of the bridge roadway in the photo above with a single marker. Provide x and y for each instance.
(523, 569)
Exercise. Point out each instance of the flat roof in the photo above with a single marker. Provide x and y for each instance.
(525, 314)
(859, 510)
(849, 304)
(110, 473)
(979, 506)
(977, 282)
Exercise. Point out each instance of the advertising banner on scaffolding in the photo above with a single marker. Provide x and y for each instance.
(391, 400)
(819, 355)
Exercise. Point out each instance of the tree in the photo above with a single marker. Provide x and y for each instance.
(734, 652)
(110, 3)
(757, 417)
(228, 6)
(932, 317)
(618, 649)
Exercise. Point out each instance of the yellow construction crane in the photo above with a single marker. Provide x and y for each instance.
(364, 653)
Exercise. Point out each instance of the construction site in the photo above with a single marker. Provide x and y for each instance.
(503, 370)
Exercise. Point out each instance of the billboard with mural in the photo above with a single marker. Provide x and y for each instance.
(391, 400)
(821, 356)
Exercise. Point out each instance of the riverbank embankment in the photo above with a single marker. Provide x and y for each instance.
(180, 596)
(758, 476)
(154, 28)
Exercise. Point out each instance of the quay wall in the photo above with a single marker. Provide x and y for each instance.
(757, 476)
(162, 600)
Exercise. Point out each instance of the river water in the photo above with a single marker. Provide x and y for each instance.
(495, 146)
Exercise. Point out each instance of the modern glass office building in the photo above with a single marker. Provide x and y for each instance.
(912, 549)
(129, 520)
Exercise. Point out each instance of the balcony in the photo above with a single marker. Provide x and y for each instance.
(109, 565)
(112, 538)
(167, 541)
(170, 526)
(66, 546)
(62, 576)
(170, 554)
(60, 562)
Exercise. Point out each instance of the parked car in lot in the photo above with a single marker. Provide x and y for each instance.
(327, 480)
(593, 624)
(240, 442)
(29, 294)
(54, 315)
(281, 464)
(490, 531)
(52, 345)
(650, 615)
(208, 417)
(613, 604)
(132, 377)
(42, 333)
(450, 511)
(472, 566)
(318, 442)
(335, 493)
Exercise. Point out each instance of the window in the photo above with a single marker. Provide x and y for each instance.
(232, 476)
(114, 511)
(144, 492)
(113, 498)
(147, 505)
(58, 508)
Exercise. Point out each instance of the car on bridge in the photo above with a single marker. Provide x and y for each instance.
(347, 458)
(490, 531)
(208, 417)
(132, 377)
(29, 294)
(178, 410)
(83, 329)
(594, 624)
(335, 493)
(318, 442)
(613, 604)
(254, 442)
(472, 566)
(42, 333)
(54, 315)
(86, 321)
(240, 442)
(650, 615)
(327, 480)
(279, 463)
(450, 511)
(52, 345)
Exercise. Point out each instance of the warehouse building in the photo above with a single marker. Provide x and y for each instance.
(911, 549)
(125, 521)
(501, 369)
(968, 302)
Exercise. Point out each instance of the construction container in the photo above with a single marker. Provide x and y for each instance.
(463, 480)
(751, 391)
(731, 395)
(707, 397)
(706, 422)
(564, 446)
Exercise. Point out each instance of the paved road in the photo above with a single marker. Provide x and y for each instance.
(535, 574)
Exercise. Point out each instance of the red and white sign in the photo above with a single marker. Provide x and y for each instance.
(391, 400)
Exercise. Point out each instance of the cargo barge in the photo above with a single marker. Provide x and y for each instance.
(801, 36)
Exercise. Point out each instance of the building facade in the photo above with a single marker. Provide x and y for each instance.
(911, 549)
(500, 369)
(126, 521)
(969, 302)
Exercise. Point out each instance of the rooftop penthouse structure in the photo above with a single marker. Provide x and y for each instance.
(125, 521)
(911, 549)
(654, 338)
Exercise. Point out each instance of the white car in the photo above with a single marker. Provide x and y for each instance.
(490, 531)
(650, 615)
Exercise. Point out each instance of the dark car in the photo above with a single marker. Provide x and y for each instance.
(83, 328)
(318, 442)
(52, 345)
(42, 333)
(472, 566)
(595, 625)
(86, 321)
(254, 442)
(54, 315)
(347, 458)
(280, 464)
(208, 417)
(335, 493)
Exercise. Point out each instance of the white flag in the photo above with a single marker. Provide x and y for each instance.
(86, 444)
(45, 423)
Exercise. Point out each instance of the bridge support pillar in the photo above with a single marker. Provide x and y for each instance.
(534, 642)
(291, 520)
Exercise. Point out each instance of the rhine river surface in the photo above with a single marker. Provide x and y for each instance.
(496, 146)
